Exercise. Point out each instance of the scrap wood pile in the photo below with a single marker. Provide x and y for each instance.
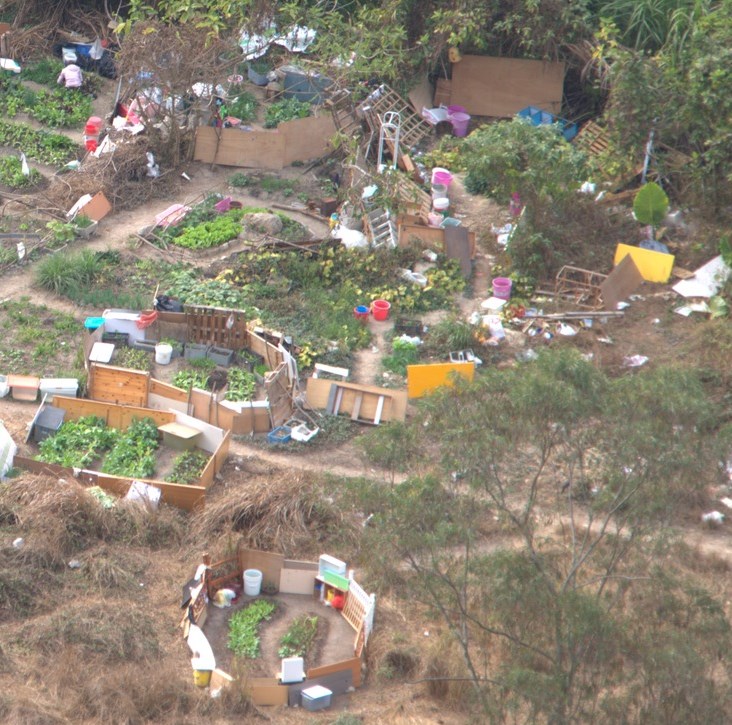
(121, 175)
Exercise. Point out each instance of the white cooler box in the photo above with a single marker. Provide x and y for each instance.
(59, 386)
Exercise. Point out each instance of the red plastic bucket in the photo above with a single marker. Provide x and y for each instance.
(380, 309)
(460, 122)
(361, 313)
(502, 288)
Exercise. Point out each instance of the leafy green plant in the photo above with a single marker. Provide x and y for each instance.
(299, 638)
(188, 467)
(212, 233)
(274, 184)
(285, 110)
(244, 628)
(66, 274)
(650, 204)
(130, 357)
(44, 71)
(63, 232)
(60, 108)
(48, 148)
(187, 379)
(82, 221)
(239, 180)
(77, 443)
(11, 173)
(133, 454)
(241, 384)
(403, 353)
(243, 107)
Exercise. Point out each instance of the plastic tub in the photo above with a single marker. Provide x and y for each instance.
(201, 678)
(441, 206)
(441, 176)
(380, 310)
(252, 582)
(163, 353)
(439, 191)
(434, 219)
(456, 109)
(502, 288)
(460, 123)
(361, 313)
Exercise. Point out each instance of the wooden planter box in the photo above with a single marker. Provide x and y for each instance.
(194, 351)
(221, 355)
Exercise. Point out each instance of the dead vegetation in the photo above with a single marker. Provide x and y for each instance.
(121, 176)
(284, 512)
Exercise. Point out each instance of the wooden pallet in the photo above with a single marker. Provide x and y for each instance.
(592, 139)
(383, 100)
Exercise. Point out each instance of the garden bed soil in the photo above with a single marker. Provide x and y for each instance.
(333, 643)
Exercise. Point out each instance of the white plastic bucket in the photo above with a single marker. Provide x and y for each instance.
(163, 353)
(439, 191)
(252, 582)
(441, 205)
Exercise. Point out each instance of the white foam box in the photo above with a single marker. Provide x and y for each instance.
(316, 697)
(59, 386)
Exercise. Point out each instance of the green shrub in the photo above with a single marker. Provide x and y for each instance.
(403, 353)
(285, 110)
(239, 180)
(67, 274)
(515, 156)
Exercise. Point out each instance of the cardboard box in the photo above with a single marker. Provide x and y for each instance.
(95, 207)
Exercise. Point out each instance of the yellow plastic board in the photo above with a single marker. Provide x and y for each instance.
(423, 379)
(653, 266)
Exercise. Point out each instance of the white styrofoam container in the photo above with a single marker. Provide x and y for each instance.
(123, 321)
(59, 386)
(3, 386)
(330, 563)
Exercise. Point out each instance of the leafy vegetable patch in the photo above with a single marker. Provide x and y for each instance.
(133, 454)
(188, 467)
(244, 628)
(78, 442)
(299, 638)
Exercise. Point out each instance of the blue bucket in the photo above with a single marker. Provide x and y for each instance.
(93, 323)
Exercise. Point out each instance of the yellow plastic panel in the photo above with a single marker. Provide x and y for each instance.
(653, 266)
(423, 379)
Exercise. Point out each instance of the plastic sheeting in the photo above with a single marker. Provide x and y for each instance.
(8, 449)
(296, 40)
(203, 656)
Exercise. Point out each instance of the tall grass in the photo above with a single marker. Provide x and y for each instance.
(66, 274)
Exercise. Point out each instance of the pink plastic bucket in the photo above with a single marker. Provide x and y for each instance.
(502, 288)
(441, 177)
(380, 309)
(456, 109)
(460, 122)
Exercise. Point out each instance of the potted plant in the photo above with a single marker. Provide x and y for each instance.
(84, 226)
(258, 72)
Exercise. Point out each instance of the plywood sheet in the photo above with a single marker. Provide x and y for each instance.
(457, 246)
(411, 232)
(253, 149)
(307, 138)
(267, 691)
(118, 385)
(421, 96)
(621, 282)
(269, 564)
(653, 266)
(318, 392)
(116, 416)
(353, 664)
(501, 87)
(424, 379)
(297, 581)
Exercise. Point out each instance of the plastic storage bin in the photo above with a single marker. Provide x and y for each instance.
(59, 386)
(316, 697)
(47, 423)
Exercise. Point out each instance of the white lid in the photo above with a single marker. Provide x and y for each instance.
(316, 691)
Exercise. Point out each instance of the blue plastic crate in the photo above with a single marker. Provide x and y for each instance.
(281, 434)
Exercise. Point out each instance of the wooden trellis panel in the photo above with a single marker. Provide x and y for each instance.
(216, 326)
(592, 139)
(383, 100)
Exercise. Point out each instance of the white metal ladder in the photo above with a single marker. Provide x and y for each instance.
(382, 229)
(391, 123)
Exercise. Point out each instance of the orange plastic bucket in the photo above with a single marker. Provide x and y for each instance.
(380, 310)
